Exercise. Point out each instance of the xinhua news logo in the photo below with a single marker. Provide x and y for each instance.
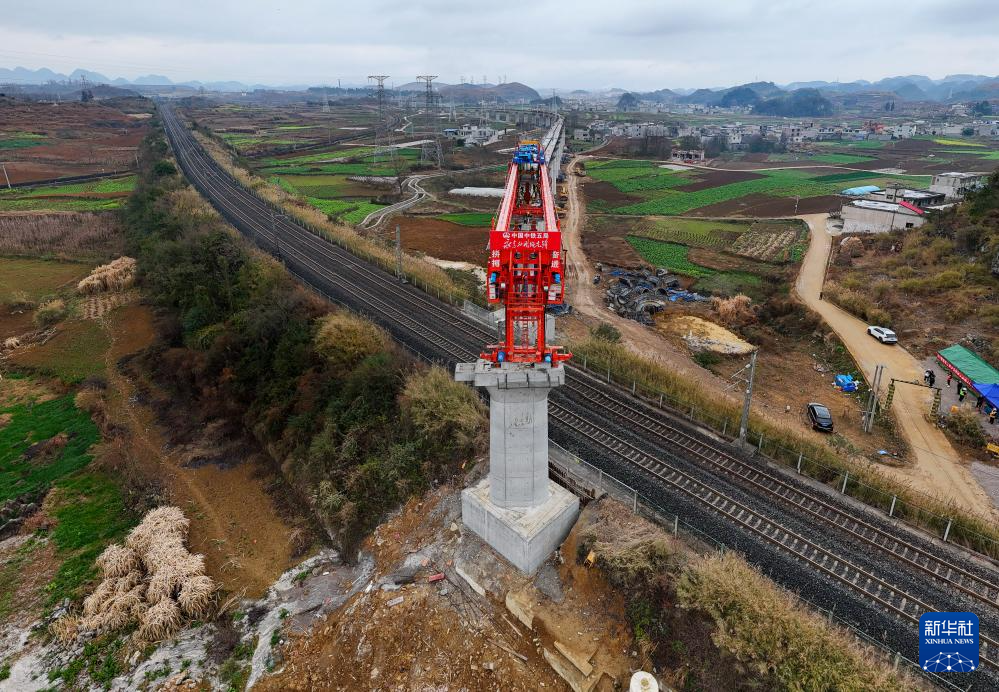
(948, 642)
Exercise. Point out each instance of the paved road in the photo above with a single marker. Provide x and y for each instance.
(938, 467)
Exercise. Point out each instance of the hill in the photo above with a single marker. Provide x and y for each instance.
(801, 102)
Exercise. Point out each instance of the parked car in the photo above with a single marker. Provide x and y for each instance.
(819, 417)
(883, 334)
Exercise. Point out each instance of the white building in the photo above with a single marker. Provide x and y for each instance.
(869, 216)
(956, 185)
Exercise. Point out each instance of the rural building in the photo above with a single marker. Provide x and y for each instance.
(917, 198)
(956, 185)
(870, 216)
(472, 134)
(687, 155)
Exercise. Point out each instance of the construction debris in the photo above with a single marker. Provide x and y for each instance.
(638, 295)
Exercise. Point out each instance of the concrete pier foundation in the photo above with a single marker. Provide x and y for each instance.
(522, 514)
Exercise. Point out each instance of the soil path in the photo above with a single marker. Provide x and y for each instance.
(938, 467)
(233, 519)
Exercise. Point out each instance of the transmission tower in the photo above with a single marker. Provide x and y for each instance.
(431, 151)
(380, 93)
(326, 101)
(381, 144)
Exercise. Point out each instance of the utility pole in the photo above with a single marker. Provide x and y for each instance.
(744, 423)
(872, 399)
(398, 253)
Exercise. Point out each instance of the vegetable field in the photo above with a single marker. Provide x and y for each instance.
(692, 232)
(670, 255)
(95, 195)
(473, 219)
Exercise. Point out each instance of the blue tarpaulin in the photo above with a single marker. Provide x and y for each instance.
(846, 383)
(989, 391)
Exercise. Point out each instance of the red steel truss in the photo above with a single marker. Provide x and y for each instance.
(525, 271)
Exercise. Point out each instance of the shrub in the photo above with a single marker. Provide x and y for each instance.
(963, 425)
(344, 340)
(736, 311)
(447, 416)
(606, 332)
(20, 301)
(51, 312)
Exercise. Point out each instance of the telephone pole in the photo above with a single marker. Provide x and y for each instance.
(744, 422)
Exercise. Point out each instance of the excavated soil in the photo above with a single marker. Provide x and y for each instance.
(709, 179)
(443, 239)
(605, 192)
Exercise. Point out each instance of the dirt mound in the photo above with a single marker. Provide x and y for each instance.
(702, 335)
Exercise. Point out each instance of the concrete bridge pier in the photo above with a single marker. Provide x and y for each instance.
(517, 509)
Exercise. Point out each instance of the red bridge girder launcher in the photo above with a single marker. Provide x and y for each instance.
(526, 270)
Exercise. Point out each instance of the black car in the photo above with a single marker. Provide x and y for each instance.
(819, 417)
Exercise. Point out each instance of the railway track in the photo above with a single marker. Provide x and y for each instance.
(440, 330)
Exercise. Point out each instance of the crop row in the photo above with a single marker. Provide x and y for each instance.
(669, 255)
(346, 210)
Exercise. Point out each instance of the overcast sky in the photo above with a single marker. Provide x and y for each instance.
(633, 44)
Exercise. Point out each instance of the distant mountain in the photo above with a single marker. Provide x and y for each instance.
(910, 92)
(510, 92)
(797, 103)
(740, 96)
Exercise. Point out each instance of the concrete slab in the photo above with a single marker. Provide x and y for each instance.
(525, 536)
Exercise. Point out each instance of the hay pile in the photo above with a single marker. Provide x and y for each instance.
(115, 276)
(152, 579)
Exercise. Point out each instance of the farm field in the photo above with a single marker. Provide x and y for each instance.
(41, 142)
(257, 129)
(341, 160)
(97, 195)
(474, 219)
(657, 191)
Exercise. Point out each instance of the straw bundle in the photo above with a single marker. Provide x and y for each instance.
(95, 602)
(115, 276)
(161, 620)
(153, 579)
(117, 561)
(196, 596)
(11, 342)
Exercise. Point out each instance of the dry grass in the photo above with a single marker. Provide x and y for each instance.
(70, 234)
(767, 630)
(345, 339)
(735, 311)
(114, 276)
(152, 580)
(428, 276)
(51, 312)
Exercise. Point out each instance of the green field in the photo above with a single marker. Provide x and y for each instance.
(474, 219)
(775, 183)
(841, 158)
(37, 278)
(70, 197)
(21, 140)
(30, 424)
(980, 153)
(673, 256)
(856, 144)
(692, 232)
(351, 211)
(633, 176)
(75, 352)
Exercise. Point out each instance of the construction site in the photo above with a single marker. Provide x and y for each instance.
(411, 384)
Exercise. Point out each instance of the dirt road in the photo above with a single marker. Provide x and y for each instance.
(938, 468)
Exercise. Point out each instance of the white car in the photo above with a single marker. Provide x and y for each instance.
(883, 334)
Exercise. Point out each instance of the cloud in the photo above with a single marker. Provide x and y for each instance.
(634, 44)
